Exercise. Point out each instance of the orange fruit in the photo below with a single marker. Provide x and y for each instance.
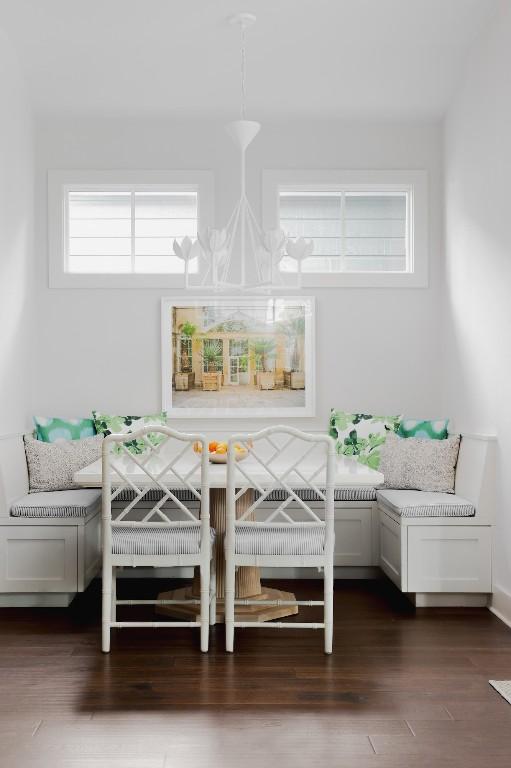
(222, 448)
(197, 447)
(213, 446)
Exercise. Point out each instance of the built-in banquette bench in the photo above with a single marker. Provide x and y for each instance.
(437, 547)
(49, 542)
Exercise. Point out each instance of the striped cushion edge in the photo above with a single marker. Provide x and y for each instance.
(306, 494)
(429, 510)
(50, 511)
(279, 539)
(340, 494)
(155, 494)
(147, 540)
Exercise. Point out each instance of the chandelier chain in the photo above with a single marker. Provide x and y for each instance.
(243, 68)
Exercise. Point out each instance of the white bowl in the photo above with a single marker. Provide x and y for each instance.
(221, 458)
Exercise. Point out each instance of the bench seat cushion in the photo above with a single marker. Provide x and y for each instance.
(157, 540)
(425, 504)
(76, 503)
(279, 539)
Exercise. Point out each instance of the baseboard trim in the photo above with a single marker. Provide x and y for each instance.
(448, 600)
(500, 605)
(37, 600)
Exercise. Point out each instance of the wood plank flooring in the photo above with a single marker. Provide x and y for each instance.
(403, 688)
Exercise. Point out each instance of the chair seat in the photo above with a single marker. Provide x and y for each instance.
(279, 539)
(73, 503)
(425, 504)
(157, 540)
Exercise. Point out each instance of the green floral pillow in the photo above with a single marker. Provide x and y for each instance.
(51, 430)
(428, 430)
(361, 435)
(120, 425)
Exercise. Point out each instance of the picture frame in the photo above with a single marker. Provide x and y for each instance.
(238, 357)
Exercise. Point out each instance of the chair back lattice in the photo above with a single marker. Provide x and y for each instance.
(165, 483)
(293, 470)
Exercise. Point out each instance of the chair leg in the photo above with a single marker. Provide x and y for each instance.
(107, 605)
(230, 575)
(204, 607)
(329, 606)
(113, 610)
(212, 590)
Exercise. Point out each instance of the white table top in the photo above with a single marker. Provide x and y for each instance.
(349, 474)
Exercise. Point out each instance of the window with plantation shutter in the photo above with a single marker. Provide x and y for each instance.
(117, 228)
(368, 228)
(351, 231)
(123, 231)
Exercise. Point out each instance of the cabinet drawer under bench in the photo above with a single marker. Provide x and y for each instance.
(48, 558)
(38, 558)
(432, 557)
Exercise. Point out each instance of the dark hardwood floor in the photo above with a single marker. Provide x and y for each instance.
(403, 688)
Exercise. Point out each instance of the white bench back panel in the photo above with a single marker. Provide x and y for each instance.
(13, 472)
(474, 473)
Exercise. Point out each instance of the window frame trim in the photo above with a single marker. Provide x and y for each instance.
(414, 182)
(61, 182)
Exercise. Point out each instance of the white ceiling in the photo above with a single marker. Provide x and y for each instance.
(384, 59)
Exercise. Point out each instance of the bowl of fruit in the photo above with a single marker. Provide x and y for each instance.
(217, 451)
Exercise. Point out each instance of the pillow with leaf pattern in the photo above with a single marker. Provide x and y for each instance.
(361, 435)
(106, 424)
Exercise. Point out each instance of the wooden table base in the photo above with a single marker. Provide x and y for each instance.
(248, 582)
(253, 613)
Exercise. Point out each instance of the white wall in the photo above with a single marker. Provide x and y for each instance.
(376, 349)
(478, 265)
(16, 252)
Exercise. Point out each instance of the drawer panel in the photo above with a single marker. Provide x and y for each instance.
(353, 536)
(449, 559)
(38, 559)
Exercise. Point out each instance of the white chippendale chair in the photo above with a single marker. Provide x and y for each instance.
(296, 469)
(158, 519)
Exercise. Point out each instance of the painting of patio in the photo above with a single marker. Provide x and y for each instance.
(246, 355)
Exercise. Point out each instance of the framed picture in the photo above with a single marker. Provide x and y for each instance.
(238, 357)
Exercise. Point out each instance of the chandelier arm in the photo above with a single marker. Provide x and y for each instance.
(229, 244)
(208, 258)
(233, 219)
(233, 224)
(254, 220)
(254, 249)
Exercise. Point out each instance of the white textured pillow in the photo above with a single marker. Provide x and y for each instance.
(51, 466)
(413, 463)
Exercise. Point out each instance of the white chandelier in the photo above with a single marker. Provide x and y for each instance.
(241, 256)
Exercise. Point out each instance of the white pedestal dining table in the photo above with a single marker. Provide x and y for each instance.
(349, 474)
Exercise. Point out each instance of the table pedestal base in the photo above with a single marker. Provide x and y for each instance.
(253, 613)
(247, 585)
